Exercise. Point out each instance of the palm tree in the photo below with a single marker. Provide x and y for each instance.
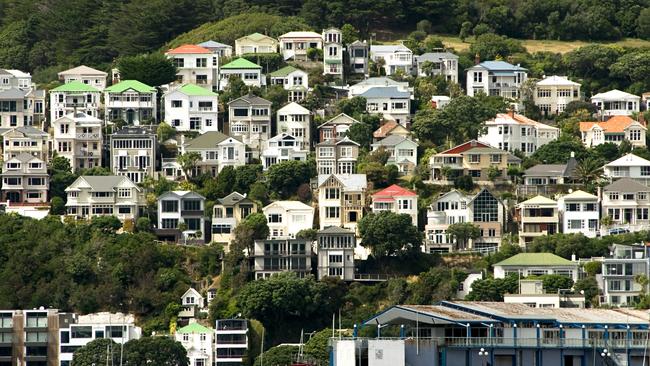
(589, 170)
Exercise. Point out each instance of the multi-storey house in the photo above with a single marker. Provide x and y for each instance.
(388, 128)
(628, 166)
(192, 108)
(615, 130)
(227, 213)
(553, 93)
(379, 81)
(272, 256)
(511, 131)
(78, 138)
(341, 200)
(283, 147)
(217, 151)
(231, 342)
(75, 96)
(21, 103)
(358, 57)
(337, 156)
(625, 202)
(287, 218)
(250, 73)
(28, 140)
(620, 271)
(580, 213)
(181, 215)
(390, 103)
(112, 195)
(397, 58)
(438, 63)
(546, 179)
(130, 101)
(294, 45)
(85, 75)
(472, 158)
(496, 78)
(398, 200)
(133, 153)
(333, 52)
(336, 127)
(336, 253)
(537, 217)
(616, 103)
(25, 179)
(198, 342)
(403, 152)
(295, 120)
(293, 80)
(195, 65)
(249, 117)
(483, 209)
(255, 43)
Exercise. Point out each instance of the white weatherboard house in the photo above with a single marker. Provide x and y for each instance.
(398, 200)
(72, 97)
(553, 93)
(294, 119)
(78, 137)
(22, 103)
(396, 58)
(85, 75)
(287, 218)
(293, 80)
(511, 131)
(111, 195)
(616, 103)
(282, 147)
(628, 166)
(198, 341)
(626, 203)
(130, 101)
(379, 81)
(438, 63)
(580, 213)
(195, 65)
(220, 49)
(615, 130)
(496, 78)
(390, 103)
(249, 117)
(536, 264)
(403, 152)
(333, 52)
(192, 108)
(294, 45)
(249, 72)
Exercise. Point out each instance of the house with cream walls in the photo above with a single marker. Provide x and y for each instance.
(294, 45)
(389, 128)
(85, 75)
(614, 130)
(217, 151)
(195, 65)
(616, 103)
(396, 58)
(471, 158)
(282, 147)
(496, 78)
(295, 120)
(130, 101)
(25, 179)
(333, 52)
(628, 166)
(336, 127)
(249, 72)
(112, 195)
(627, 204)
(249, 119)
(337, 156)
(255, 43)
(75, 96)
(538, 216)
(398, 200)
(287, 218)
(341, 200)
(134, 152)
(293, 80)
(28, 140)
(403, 152)
(553, 93)
(192, 108)
(78, 138)
(580, 213)
(512, 131)
(227, 213)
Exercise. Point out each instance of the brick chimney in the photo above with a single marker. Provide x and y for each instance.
(511, 112)
(642, 119)
(477, 59)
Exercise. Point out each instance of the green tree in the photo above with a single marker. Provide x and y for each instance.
(153, 69)
(589, 171)
(489, 46)
(106, 224)
(388, 234)
(361, 133)
(309, 234)
(155, 351)
(278, 356)
(316, 348)
(188, 162)
(493, 289)
(352, 106)
(462, 233)
(464, 183)
(165, 132)
(258, 224)
(465, 30)
(143, 224)
(97, 352)
(284, 178)
(589, 287)
(559, 151)
(553, 283)
(57, 206)
(644, 24)
(349, 33)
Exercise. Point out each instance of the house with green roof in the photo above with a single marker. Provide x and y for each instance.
(190, 107)
(255, 43)
(130, 101)
(536, 264)
(198, 341)
(75, 96)
(292, 79)
(249, 72)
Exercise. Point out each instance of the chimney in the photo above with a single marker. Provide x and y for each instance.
(511, 112)
(477, 59)
(642, 119)
(573, 154)
(573, 257)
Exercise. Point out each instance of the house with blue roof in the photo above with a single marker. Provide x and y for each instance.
(391, 102)
(496, 78)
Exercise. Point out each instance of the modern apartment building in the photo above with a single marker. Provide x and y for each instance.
(619, 272)
(231, 342)
(336, 253)
(272, 256)
(181, 216)
(134, 152)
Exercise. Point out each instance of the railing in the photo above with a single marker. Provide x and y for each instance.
(371, 277)
(89, 136)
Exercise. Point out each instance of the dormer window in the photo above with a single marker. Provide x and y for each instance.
(13, 165)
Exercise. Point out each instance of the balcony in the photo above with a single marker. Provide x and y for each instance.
(88, 136)
(186, 213)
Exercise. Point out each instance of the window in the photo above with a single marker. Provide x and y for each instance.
(36, 181)
(635, 135)
(221, 229)
(478, 77)
(495, 158)
(177, 104)
(114, 331)
(613, 196)
(169, 223)
(192, 205)
(645, 171)
(124, 192)
(573, 207)
(201, 62)
(274, 218)
(543, 93)
(404, 204)
(332, 193)
(642, 196)
(474, 158)
(641, 213)
(169, 206)
(240, 112)
(81, 332)
(336, 258)
(575, 224)
(124, 210)
(486, 208)
(179, 62)
(332, 212)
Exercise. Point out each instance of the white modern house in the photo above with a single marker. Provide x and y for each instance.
(379, 81)
(403, 152)
(250, 73)
(628, 166)
(293, 80)
(23, 104)
(438, 63)
(75, 96)
(78, 138)
(231, 341)
(198, 341)
(192, 108)
(538, 216)
(620, 271)
(195, 65)
(287, 218)
(398, 200)
(283, 147)
(130, 101)
(182, 208)
(395, 57)
(85, 75)
(390, 103)
(295, 120)
(512, 131)
(333, 52)
(25, 180)
(616, 103)
(112, 195)
(217, 151)
(249, 118)
(496, 78)
(553, 93)
(580, 213)
(273, 256)
(336, 253)
(615, 130)
(294, 45)
(626, 203)
(133, 153)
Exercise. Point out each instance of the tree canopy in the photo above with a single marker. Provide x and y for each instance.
(388, 233)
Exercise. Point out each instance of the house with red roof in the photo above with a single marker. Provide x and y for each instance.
(614, 130)
(196, 65)
(396, 199)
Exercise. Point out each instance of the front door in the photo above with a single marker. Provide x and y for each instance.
(130, 116)
(13, 196)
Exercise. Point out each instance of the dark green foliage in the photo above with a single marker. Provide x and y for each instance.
(589, 285)
(464, 182)
(57, 206)
(162, 351)
(559, 151)
(153, 69)
(490, 46)
(269, 61)
(361, 133)
(493, 289)
(309, 234)
(388, 234)
(554, 283)
(284, 178)
(278, 356)
(565, 245)
(97, 352)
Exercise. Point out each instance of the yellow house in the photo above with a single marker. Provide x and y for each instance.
(255, 43)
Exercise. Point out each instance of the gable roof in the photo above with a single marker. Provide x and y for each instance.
(289, 205)
(381, 81)
(28, 131)
(351, 182)
(233, 198)
(557, 80)
(626, 185)
(301, 34)
(629, 160)
(337, 141)
(251, 99)
(103, 183)
(213, 44)
(25, 157)
(519, 119)
(580, 195)
(385, 92)
(188, 49)
(12, 93)
(553, 170)
(294, 108)
(335, 230)
(539, 200)
(208, 140)
(536, 259)
(83, 70)
(192, 291)
(181, 194)
(75, 86)
(394, 191)
(257, 37)
(436, 56)
(392, 140)
(497, 66)
(125, 85)
(471, 144)
(615, 94)
(194, 328)
(386, 128)
(284, 72)
(616, 124)
(340, 116)
(241, 63)
(196, 91)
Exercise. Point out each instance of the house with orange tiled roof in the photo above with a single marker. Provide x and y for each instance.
(512, 131)
(390, 128)
(398, 200)
(195, 65)
(614, 130)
